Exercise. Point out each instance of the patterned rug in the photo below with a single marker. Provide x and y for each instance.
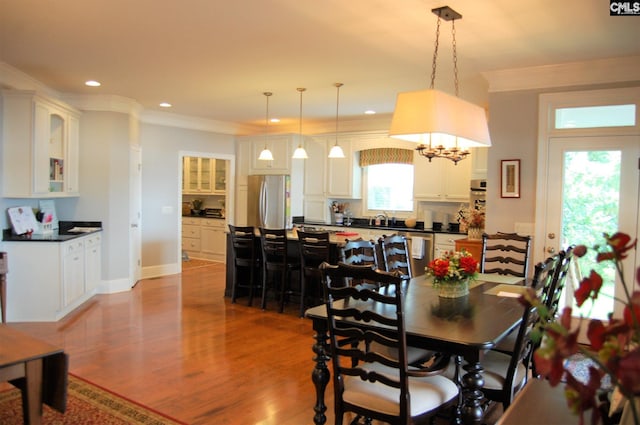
(86, 404)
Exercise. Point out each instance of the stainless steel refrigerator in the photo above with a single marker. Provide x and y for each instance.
(269, 202)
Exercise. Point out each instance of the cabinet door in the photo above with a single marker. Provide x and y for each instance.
(73, 272)
(206, 169)
(456, 185)
(427, 178)
(213, 241)
(44, 172)
(344, 175)
(280, 147)
(72, 181)
(93, 263)
(220, 176)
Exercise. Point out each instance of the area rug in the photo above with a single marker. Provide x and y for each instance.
(86, 404)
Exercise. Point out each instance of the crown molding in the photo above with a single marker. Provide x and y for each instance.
(195, 123)
(601, 71)
(13, 78)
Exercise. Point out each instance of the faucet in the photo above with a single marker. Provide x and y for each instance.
(380, 216)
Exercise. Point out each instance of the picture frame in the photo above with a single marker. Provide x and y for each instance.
(510, 178)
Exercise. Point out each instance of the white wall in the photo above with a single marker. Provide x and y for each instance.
(161, 185)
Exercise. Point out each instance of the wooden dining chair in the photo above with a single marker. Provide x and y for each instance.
(359, 252)
(366, 380)
(395, 254)
(564, 272)
(276, 262)
(314, 250)
(505, 254)
(506, 373)
(246, 261)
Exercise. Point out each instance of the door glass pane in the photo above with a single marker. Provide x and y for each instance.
(590, 207)
(596, 116)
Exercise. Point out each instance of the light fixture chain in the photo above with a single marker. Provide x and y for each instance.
(455, 56)
(435, 54)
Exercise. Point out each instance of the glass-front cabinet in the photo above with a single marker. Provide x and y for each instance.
(41, 146)
(203, 175)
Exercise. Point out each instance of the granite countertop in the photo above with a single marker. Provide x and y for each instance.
(68, 230)
(356, 226)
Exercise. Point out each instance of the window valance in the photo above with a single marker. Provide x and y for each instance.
(385, 156)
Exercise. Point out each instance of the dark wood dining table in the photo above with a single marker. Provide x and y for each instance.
(465, 327)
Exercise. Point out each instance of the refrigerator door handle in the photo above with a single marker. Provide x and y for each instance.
(263, 203)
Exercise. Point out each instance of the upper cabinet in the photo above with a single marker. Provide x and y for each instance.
(441, 179)
(344, 175)
(40, 138)
(203, 175)
(479, 161)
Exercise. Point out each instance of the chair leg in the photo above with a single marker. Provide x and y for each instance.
(303, 285)
(252, 283)
(283, 287)
(234, 287)
(264, 288)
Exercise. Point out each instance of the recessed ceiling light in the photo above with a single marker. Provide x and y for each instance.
(165, 105)
(369, 112)
(92, 83)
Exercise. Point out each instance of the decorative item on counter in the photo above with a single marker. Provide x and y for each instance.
(23, 220)
(337, 211)
(410, 222)
(472, 221)
(614, 351)
(196, 206)
(452, 273)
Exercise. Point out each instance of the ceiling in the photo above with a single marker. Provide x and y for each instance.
(213, 59)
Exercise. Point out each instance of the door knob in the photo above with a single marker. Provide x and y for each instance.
(551, 236)
(551, 250)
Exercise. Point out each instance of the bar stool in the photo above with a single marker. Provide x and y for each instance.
(245, 257)
(275, 260)
(314, 250)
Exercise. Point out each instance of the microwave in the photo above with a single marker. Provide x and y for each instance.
(478, 193)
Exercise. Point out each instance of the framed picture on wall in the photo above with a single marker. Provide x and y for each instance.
(510, 178)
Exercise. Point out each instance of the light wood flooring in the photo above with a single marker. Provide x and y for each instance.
(177, 345)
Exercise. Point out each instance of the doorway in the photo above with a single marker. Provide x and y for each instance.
(588, 183)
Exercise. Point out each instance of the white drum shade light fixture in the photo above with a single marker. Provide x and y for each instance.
(300, 153)
(444, 126)
(336, 150)
(266, 154)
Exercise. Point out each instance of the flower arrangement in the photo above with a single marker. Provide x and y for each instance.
(453, 266)
(337, 207)
(471, 217)
(614, 345)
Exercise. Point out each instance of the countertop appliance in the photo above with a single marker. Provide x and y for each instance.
(478, 193)
(269, 201)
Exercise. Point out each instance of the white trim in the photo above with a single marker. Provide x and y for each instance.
(601, 71)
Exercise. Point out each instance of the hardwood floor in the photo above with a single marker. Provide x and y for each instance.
(178, 346)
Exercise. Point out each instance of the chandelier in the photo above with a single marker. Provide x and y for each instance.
(444, 126)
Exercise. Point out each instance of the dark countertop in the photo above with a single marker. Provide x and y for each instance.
(63, 234)
(356, 225)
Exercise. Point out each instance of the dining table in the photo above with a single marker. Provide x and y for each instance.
(464, 327)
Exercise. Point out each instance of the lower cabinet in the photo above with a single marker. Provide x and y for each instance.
(204, 238)
(48, 279)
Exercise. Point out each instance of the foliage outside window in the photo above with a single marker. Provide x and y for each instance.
(390, 187)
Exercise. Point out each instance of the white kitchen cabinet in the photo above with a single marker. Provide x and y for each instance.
(344, 175)
(48, 279)
(73, 271)
(40, 139)
(479, 163)
(93, 262)
(204, 238)
(315, 205)
(281, 147)
(441, 179)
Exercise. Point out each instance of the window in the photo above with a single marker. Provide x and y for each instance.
(596, 116)
(389, 187)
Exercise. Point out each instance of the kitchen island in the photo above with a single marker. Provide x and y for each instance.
(52, 274)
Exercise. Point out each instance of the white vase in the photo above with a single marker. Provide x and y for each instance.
(453, 289)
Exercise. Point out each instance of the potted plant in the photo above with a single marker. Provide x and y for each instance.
(613, 349)
(196, 206)
(452, 273)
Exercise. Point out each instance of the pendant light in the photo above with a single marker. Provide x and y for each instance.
(266, 155)
(336, 150)
(300, 153)
(444, 125)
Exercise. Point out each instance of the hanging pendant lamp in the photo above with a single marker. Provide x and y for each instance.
(300, 153)
(266, 154)
(445, 126)
(336, 150)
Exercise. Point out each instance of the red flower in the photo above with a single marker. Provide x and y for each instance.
(618, 243)
(589, 288)
(468, 264)
(440, 267)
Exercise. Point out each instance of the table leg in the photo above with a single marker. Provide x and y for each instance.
(472, 383)
(32, 393)
(320, 375)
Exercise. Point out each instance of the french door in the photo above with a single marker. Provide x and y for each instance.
(593, 189)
